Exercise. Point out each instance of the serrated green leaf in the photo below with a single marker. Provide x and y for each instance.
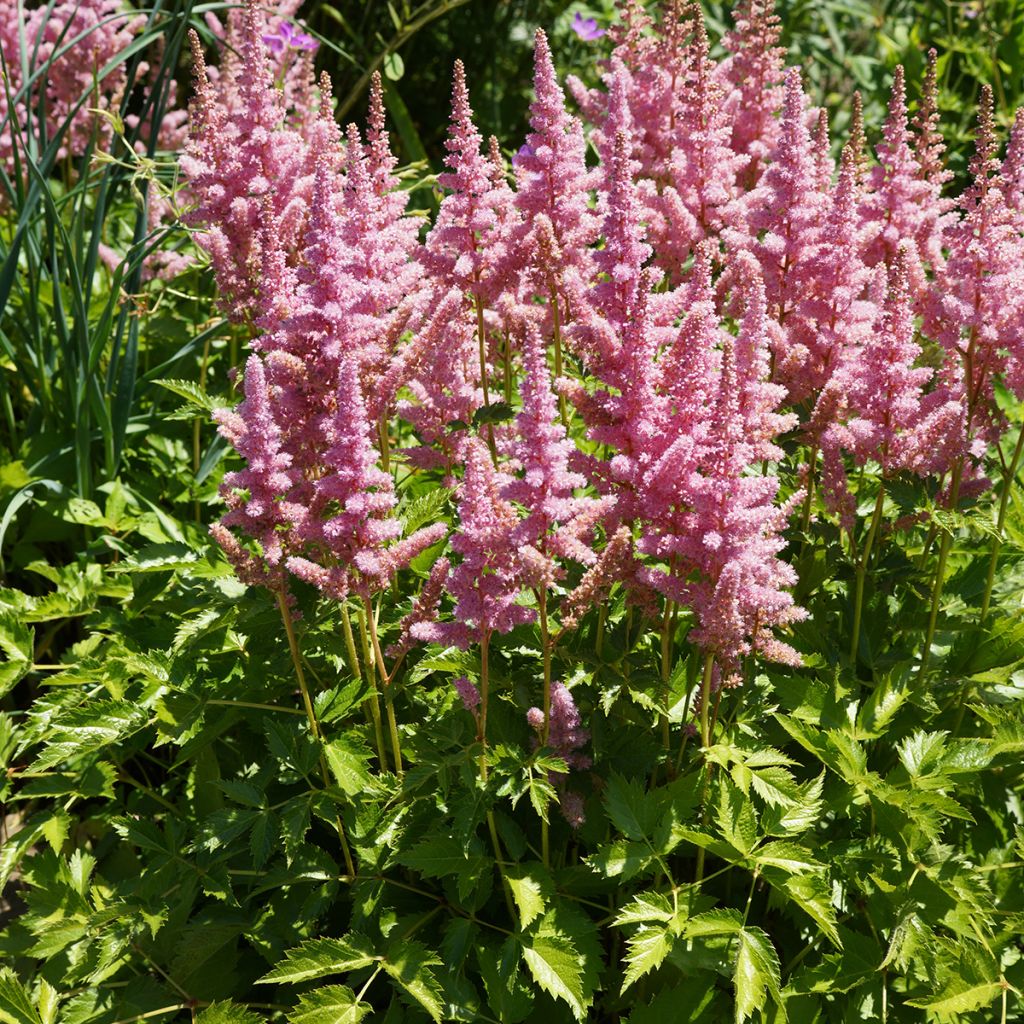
(330, 1004)
(192, 393)
(621, 859)
(424, 510)
(227, 1013)
(15, 1005)
(349, 768)
(735, 817)
(633, 811)
(528, 889)
(17, 641)
(961, 1000)
(319, 958)
(409, 966)
(646, 907)
(757, 974)
(554, 964)
(714, 922)
(775, 786)
(646, 951)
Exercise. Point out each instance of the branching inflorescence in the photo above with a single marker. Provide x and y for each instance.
(714, 296)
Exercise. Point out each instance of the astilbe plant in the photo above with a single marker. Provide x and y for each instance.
(735, 324)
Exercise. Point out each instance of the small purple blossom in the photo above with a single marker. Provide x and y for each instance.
(535, 718)
(468, 693)
(586, 28)
(288, 37)
(525, 150)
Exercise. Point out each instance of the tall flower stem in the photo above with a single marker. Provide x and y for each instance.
(1009, 478)
(378, 730)
(492, 826)
(862, 568)
(667, 622)
(385, 443)
(481, 334)
(396, 745)
(314, 725)
(542, 602)
(485, 644)
(556, 330)
(705, 740)
(940, 571)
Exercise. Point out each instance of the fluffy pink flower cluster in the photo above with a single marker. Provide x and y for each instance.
(713, 284)
(65, 61)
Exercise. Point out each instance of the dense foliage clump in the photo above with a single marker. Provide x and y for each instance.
(611, 604)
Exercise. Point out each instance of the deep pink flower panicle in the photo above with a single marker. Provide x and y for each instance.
(625, 251)
(490, 576)
(1012, 170)
(348, 527)
(823, 151)
(441, 367)
(758, 396)
(833, 311)
(556, 521)
(688, 372)
(566, 736)
(551, 170)
(930, 145)
(884, 385)
(241, 152)
(784, 214)
(256, 495)
(753, 72)
(463, 246)
(978, 308)
(703, 167)
(382, 161)
(902, 203)
(423, 615)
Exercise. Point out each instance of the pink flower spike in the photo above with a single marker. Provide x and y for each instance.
(468, 694)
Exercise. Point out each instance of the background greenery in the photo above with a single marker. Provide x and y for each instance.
(168, 838)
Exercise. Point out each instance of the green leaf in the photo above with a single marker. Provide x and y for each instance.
(645, 951)
(15, 1005)
(633, 811)
(555, 965)
(961, 1000)
(620, 859)
(319, 958)
(17, 642)
(89, 728)
(646, 907)
(496, 412)
(228, 1013)
(735, 817)
(528, 890)
(408, 964)
(349, 768)
(193, 394)
(757, 973)
(425, 509)
(444, 856)
(393, 67)
(331, 1004)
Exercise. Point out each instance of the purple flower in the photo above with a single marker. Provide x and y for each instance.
(586, 28)
(289, 37)
(525, 150)
(468, 693)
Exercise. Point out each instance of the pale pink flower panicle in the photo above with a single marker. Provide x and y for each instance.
(489, 578)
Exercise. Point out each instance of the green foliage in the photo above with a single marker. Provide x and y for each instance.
(851, 836)
(848, 848)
